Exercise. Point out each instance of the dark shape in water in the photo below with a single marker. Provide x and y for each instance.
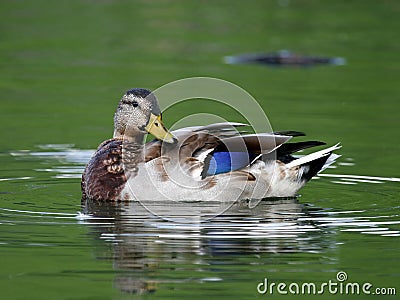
(283, 58)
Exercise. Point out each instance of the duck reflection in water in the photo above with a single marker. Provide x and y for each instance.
(144, 247)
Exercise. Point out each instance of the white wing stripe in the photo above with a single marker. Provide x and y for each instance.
(313, 156)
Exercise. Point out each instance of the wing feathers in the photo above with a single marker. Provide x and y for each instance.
(290, 148)
(313, 156)
(208, 143)
(254, 143)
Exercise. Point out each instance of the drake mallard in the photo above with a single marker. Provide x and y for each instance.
(196, 163)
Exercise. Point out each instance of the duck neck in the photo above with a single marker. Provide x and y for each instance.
(136, 136)
(132, 149)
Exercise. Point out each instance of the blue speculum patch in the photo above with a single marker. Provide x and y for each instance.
(223, 162)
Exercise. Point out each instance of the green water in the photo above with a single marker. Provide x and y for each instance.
(64, 66)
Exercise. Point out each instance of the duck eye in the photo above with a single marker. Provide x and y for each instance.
(135, 104)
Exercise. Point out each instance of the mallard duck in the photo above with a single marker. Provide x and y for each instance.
(199, 163)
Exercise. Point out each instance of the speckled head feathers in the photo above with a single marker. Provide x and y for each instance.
(144, 94)
(138, 92)
(133, 112)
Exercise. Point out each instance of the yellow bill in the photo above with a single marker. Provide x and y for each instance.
(157, 128)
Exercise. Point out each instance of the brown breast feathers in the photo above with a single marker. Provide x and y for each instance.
(104, 177)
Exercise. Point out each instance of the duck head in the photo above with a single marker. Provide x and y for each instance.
(137, 113)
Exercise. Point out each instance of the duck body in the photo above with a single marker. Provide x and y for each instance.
(201, 163)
